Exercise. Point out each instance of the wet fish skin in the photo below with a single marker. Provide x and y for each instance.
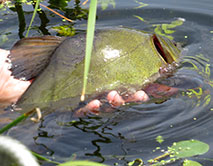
(121, 58)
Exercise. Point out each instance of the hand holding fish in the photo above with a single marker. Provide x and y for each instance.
(11, 89)
(119, 70)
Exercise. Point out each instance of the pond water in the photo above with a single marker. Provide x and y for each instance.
(130, 132)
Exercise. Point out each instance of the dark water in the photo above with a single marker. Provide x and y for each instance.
(131, 131)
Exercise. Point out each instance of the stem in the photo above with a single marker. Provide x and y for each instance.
(89, 43)
(32, 19)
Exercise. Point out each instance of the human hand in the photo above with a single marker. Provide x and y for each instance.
(11, 89)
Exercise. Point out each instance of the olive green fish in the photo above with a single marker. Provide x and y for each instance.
(121, 59)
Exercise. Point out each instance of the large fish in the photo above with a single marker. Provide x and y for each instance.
(123, 59)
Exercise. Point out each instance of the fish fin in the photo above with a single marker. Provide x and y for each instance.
(29, 56)
(160, 91)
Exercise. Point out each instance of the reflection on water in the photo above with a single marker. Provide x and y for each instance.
(130, 132)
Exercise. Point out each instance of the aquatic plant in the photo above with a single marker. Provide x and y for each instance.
(175, 151)
(178, 151)
(167, 29)
(89, 43)
(34, 13)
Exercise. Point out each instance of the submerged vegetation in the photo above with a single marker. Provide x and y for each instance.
(178, 151)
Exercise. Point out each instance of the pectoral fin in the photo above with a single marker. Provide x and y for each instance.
(160, 91)
(29, 56)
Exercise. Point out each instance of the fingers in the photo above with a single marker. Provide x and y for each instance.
(139, 96)
(93, 105)
(114, 99)
(91, 108)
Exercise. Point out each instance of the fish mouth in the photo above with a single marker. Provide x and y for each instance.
(165, 48)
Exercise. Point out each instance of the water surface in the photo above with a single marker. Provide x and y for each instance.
(131, 131)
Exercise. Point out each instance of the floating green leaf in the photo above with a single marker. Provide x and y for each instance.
(189, 148)
(159, 139)
(191, 163)
(141, 4)
(140, 18)
(166, 29)
(81, 163)
(65, 30)
(207, 100)
(106, 3)
(136, 162)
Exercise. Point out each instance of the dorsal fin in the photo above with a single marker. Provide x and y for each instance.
(29, 56)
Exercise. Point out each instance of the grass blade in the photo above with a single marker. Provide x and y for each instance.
(13, 123)
(81, 163)
(16, 121)
(32, 19)
(39, 157)
(89, 43)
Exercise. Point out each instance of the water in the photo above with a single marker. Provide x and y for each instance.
(131, 131)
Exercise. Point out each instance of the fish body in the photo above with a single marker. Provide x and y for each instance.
(121, 59)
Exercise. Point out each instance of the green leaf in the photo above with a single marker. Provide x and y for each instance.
(32, 19)
(65, 30)
(81, 163)
(159, 139)
(136, 162)
(106, 3)
(39, 157)
(16, 121)
(189, 148)
(141, 4)
(140, 18)
(191, 163)
(166, 29)
(89, 42)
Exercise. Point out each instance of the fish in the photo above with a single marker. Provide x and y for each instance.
(122, 59)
